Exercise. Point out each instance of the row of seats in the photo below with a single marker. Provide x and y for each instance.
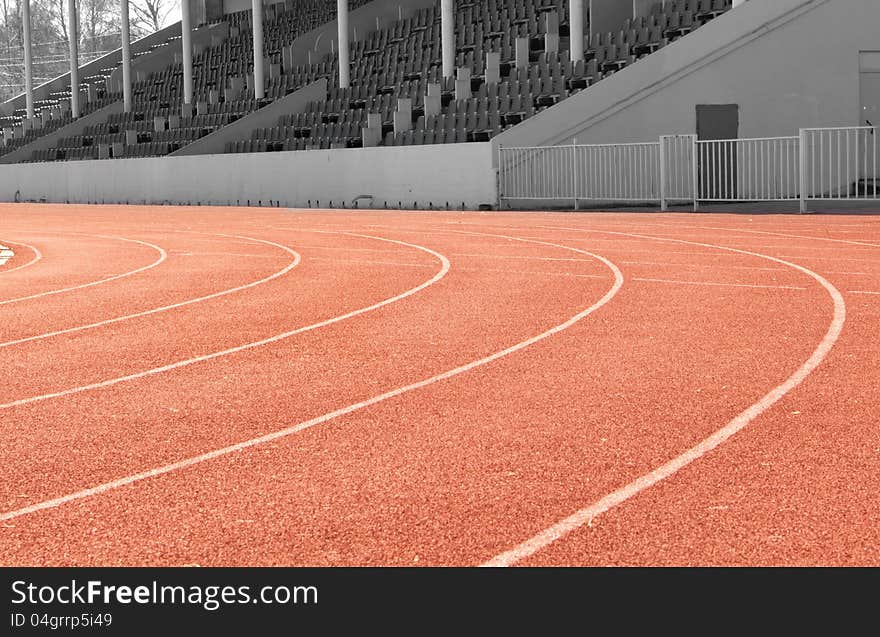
(216, 67)
(397, 62)
(406, 138)
(401, 60)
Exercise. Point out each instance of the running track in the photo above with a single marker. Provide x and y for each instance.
(272, 387)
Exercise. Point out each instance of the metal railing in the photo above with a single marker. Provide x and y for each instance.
(596, 172)
(760, 169)
(677, 154)
(829, 164)
(840, 164)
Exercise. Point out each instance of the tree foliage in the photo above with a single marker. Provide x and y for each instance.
(99, 33)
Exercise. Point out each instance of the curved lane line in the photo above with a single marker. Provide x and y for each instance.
(296, 260)
(613, 499)
(162, 256)
(37, 256)
(789, 236)
(240, 348)
(182, 464)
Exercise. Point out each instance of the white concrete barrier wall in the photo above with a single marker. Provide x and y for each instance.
(439, 176)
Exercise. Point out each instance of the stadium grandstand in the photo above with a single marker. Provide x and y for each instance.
(458, 104)
(437, 283)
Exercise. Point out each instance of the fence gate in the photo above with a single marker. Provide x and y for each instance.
(840, 164)
(760, 169)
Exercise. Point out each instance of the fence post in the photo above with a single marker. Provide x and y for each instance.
(695, 172)
(574, 172)
(499, 179)
(664, 206)
(802, 169)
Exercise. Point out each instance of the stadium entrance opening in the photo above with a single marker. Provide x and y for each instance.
(717, 166)
(869, 88)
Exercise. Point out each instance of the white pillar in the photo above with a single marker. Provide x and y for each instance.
(447, 28)
(186, 51)
(126, 56)
(73, 32)
(576, 30)
(736, 3)
(342, 35)
(259, 77)
(28, 63)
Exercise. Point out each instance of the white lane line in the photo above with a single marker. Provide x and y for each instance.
(714, 266)
(119, 319)
(639, 279)
(162, 256)
(186, 253)
(240, 348)
(459, 268)
(381, 227)
(675, 226)
(717, 284)
(813, 257)
(743, 243)
(37, 256)
(795, 236)
(773, 234)
(863, 292)
(624, 249)
(341, 248)
(851, 273)
(370, 262)
(188, 462)
(573, 275)
(507, 256)
(616, 249)
(613, 499)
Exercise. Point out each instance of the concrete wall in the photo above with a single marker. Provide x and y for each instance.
(787, 63)
(76, 127)
(608, 15)
(231, 6)
(198, 11)
(429, 176)
(642, 7)
(266, 116)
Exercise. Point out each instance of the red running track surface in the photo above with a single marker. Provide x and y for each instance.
(278, 387)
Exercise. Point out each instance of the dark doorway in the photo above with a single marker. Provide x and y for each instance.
(213, 10)
(716, 162)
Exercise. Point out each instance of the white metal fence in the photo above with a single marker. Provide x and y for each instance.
(598, 172)
(828, 164)
(677, 169)
(840, 163)
(765, 169)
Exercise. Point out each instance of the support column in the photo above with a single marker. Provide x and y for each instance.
(259, 75)
(186, 51)
(576, 30)
(126, 55)
(447, 29)
(73, 33)
(28, 62)
(342, 35)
